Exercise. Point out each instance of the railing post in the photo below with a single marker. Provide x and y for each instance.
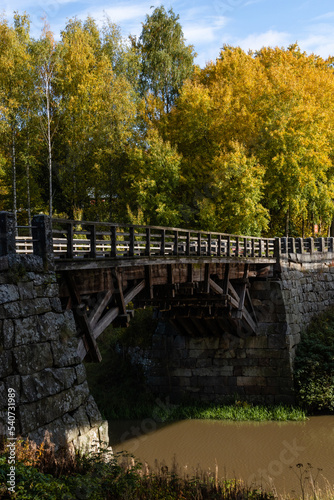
(219, 243)
(42, 239)
(113, 241)
(284, 245)
(69, 237)
(321, 244)
(228, 246)
(253, 248)
(277, 249)
(163, 242)
(209, 245)
(237, 246)
(311, 242)
(292, 244)
(148, 242)
(131, 241)
(199, 243)
(331, 244)
(299, 245)
(92, 238)
(176, 243)
(7, 234)
(245, 247)
(188, 243)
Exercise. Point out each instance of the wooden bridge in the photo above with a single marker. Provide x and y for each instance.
(198, 280)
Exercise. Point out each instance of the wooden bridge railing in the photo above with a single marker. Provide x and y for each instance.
(77, 239)
(97, 240)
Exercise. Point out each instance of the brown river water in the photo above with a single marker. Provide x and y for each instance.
(259, 453)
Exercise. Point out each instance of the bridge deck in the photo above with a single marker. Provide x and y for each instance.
(103, 267)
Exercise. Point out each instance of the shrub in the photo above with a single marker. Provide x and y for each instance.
(314, 364)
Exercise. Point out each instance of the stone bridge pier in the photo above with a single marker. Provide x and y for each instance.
(39, 365)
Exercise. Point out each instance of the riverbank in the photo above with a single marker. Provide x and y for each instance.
(40, 474)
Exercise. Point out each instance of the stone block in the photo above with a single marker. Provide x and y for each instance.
(32, 358)
(57, 326)
(88, 442)
(8, 293)
(248, 381)
(71, 428)
(44, 411)
(65, 354)
(80, 371)
(7, 334)
(277, 342)
(259, 342)
(29, 307)
(93, 412)
(203, 363)
(55, 304)
(81, 418)
(26, 290)
(259, 371)
(49, 290)
(192, 362)
(104, 434)
(181, 372)
(46, 382)
(6, 364)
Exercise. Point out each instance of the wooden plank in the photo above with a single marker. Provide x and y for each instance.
(118, 290)
(243, 292)
(148, 242)
(109, 317)
(226, 278)
(69, 237)
(99, 308)
(82, 320)
(148, 280)
(207, 278)
(215, 287)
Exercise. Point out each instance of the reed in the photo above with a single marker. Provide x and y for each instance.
(43, 473)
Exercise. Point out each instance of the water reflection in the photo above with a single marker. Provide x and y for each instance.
(257, 452)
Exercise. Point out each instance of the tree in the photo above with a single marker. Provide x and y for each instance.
(154, 181)
(277, 105)
(45, 58)
(166, 60)
(96, 120)
(16, 87)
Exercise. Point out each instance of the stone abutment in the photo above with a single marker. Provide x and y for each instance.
(39, 366)
(257, 368)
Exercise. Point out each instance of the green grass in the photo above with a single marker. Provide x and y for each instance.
(239, 411)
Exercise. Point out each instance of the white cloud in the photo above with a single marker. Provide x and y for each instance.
(328, 15)
(270, 38)
(320, 44)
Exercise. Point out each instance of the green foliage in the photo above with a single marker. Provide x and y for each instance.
(155, 180)
(131, 130)
(314, 364)
(121, 477)
(166, 60)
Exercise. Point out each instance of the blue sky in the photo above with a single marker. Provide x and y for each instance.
(208, 25)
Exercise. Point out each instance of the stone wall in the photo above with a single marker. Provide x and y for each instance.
(258, 368)
(38, 359)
